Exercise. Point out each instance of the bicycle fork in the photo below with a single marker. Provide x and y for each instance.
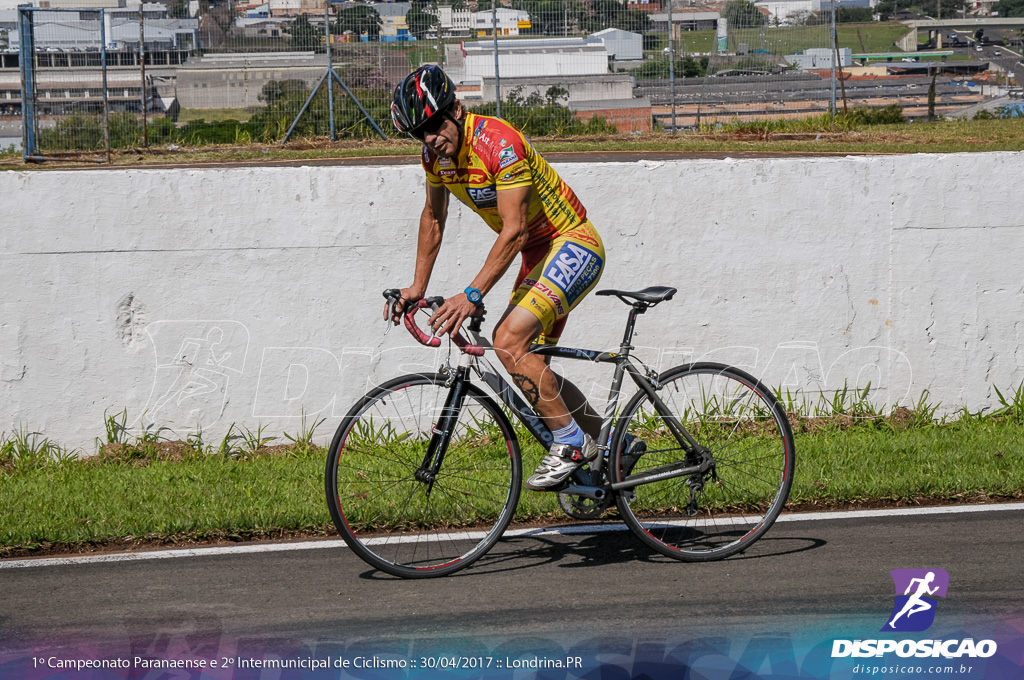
(442, 430)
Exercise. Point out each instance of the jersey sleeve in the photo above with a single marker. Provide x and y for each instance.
(429, 162)
(505, 154)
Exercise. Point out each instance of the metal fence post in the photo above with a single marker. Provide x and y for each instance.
(835, 56)
(26, 35)
(671, 67)
(106, 94)
(142, 67)
(497, 70)
(330, 67)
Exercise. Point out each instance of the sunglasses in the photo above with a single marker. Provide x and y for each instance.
(431, 127)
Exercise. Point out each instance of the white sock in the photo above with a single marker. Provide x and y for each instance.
(571, 434)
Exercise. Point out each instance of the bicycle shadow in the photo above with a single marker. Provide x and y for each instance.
(579, 546)
(602, 548)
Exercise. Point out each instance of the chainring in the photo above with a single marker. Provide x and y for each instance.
(582, 507)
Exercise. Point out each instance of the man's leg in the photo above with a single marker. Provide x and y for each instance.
(530, 372)
(578, 406)
(572, 446)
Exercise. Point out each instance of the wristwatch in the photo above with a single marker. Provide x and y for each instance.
(474, 296)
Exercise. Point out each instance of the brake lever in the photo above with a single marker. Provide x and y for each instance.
(392, 295)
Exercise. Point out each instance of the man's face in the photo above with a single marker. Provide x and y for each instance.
(444, 139)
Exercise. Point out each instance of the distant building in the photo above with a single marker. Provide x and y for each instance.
(788, 11)
(535, 57)
(688, 18)
(455, 23)
(394, 27)
(820, 58)
(620, 45)
(65, 31)
(509, 22)
(291, 8)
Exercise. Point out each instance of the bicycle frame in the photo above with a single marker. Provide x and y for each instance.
(645, 380)
(386, 508)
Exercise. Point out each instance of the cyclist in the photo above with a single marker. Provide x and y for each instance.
(490, 166)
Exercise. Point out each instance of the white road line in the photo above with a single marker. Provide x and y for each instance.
(513, 533)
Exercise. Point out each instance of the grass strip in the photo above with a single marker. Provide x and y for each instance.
(57, 504)
(812, 136)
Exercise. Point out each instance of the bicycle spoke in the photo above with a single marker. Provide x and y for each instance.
(401, 524)
(716, 514)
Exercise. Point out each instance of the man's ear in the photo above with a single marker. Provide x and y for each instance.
(457, 110)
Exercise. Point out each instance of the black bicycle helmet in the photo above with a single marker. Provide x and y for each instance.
(423, 94)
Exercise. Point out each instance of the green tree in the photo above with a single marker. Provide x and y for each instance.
(420, 22)
(1010, 8)
(742, 14)
(549, 17)
(277, 90)
(304, 36)
(359, 20)
(684, 67)
(853, 15)
(538, 115)
(597, 15)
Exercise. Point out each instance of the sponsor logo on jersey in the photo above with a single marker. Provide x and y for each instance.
(516, 174)
(552, 296)
(573, 269)
(483, 197)
(507, 157)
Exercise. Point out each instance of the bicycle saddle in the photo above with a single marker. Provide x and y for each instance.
(651, 296)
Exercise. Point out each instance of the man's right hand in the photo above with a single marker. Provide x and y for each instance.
(407, 296)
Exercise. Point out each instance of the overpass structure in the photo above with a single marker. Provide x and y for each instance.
(935, 28)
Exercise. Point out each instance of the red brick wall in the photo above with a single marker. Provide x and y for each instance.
(625, 120)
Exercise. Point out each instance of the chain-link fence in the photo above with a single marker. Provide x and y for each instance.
(219, 71)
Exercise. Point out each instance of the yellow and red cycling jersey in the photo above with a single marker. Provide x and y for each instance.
(495, 156)
(563, 256)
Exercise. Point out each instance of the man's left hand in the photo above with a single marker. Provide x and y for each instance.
(451, 315)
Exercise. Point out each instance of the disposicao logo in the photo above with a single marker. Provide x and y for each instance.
(914, 611)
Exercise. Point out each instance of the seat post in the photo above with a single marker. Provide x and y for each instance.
(637, 308)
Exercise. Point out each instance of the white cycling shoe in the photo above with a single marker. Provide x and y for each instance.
(562, 460)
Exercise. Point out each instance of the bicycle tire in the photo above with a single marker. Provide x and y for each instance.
(748, 434)
(383, 512)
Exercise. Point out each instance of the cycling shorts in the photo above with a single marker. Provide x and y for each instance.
(555, 276)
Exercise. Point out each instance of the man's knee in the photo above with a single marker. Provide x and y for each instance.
(509, 347)
(514, 335)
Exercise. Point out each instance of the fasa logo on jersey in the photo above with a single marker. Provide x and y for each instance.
(914, 609)
(573, 270)
(483, 197)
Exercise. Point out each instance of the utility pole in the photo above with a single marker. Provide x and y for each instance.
(497, 71)
(142, 68)
(671, 66)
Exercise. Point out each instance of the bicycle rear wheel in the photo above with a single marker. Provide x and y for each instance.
(723, 511)
(412, 528)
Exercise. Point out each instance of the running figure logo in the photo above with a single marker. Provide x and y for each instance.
(914, 610)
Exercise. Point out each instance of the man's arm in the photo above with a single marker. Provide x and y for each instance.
(428, 243)
(512, 208)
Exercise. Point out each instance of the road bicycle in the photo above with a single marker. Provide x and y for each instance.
(424, 473)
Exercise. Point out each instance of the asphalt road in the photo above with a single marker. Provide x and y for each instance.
(544, 591)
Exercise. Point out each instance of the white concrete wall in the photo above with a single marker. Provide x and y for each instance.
(247, 296)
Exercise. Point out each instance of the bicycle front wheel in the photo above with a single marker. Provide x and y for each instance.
(409, 524)
(748, 446)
